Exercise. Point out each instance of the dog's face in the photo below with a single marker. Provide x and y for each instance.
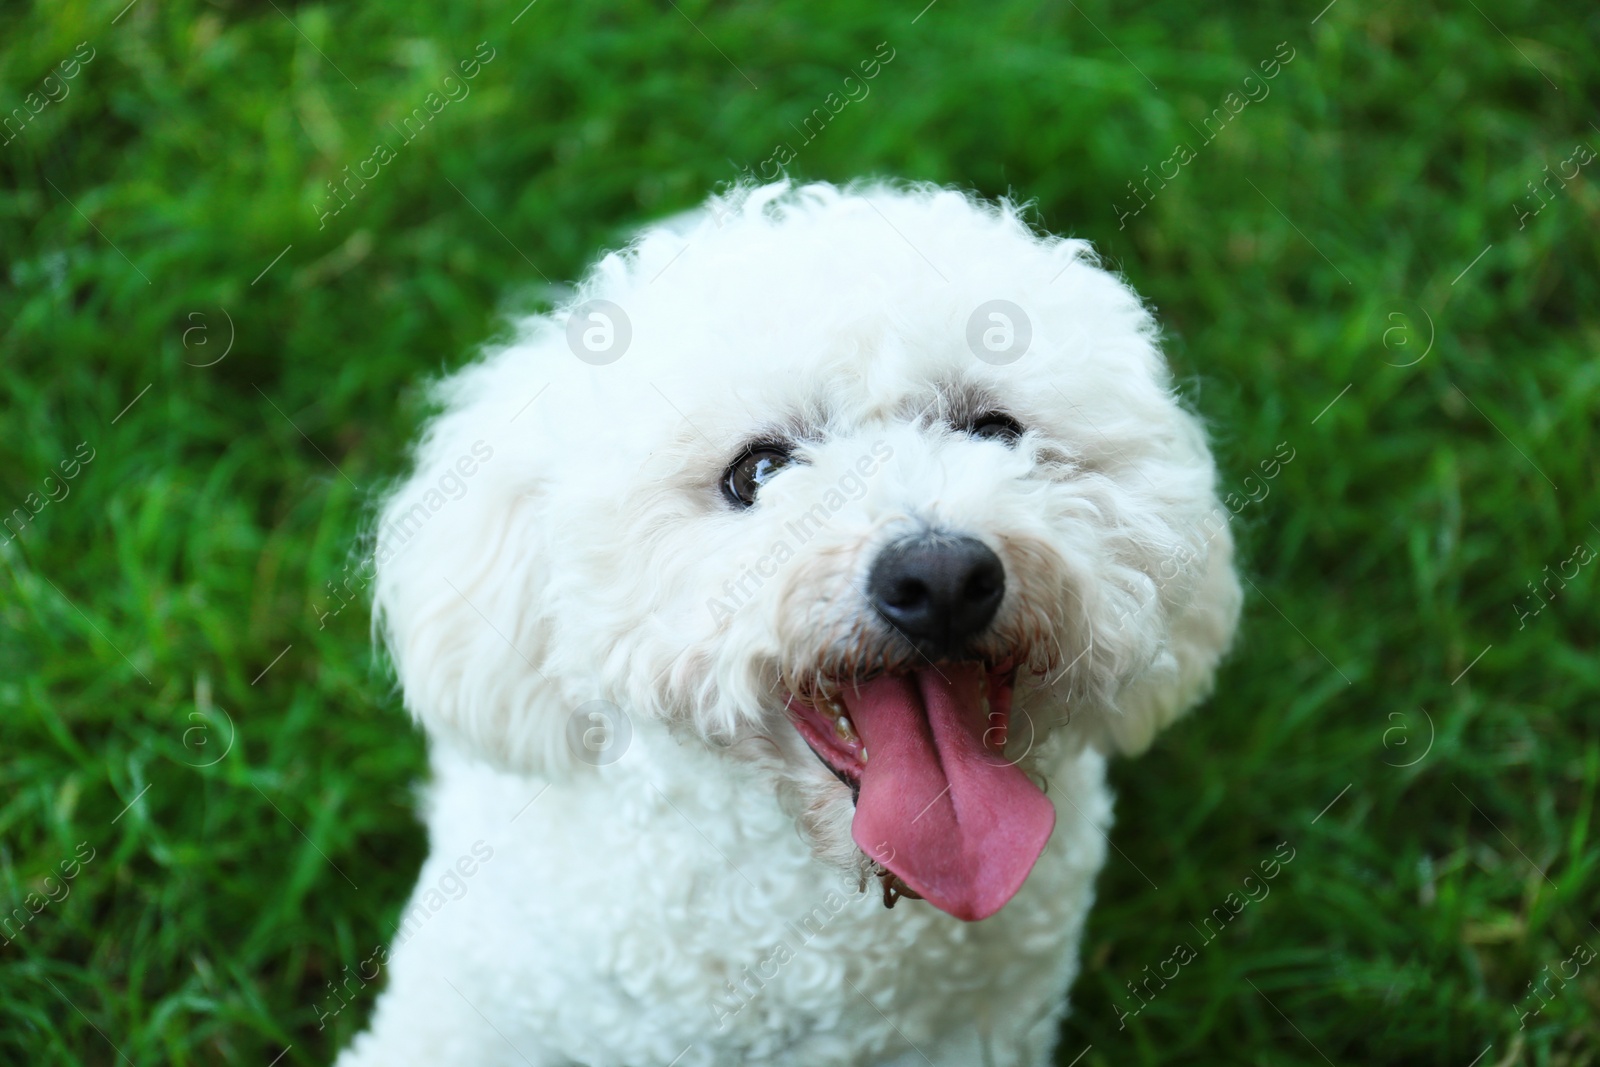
(882, 492)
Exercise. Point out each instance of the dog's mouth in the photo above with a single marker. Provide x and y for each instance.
(938, 805)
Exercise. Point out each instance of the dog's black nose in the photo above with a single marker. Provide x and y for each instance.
(938, 591)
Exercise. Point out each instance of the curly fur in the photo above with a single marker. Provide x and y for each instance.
(632, 912)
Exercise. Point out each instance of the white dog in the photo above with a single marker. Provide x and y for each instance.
(814, 557)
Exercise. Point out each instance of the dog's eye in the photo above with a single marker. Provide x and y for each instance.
(751, 471)
(996, 426)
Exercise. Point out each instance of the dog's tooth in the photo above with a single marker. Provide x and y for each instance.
(845, 729)
(863, 755)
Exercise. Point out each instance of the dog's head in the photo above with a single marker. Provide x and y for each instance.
(874, 487)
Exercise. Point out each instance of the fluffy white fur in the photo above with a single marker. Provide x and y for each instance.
(697, 901)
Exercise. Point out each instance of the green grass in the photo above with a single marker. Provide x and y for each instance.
(139, 615)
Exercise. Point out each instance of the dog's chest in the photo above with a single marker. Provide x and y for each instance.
(686, 909)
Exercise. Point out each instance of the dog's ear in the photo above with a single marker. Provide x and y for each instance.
(1200, 630)
(460, 579)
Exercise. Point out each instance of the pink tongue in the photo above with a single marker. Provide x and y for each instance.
(938, 807)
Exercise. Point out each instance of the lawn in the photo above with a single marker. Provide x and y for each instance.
(1370, 234)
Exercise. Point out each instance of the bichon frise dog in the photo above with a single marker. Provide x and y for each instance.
(814, 558)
